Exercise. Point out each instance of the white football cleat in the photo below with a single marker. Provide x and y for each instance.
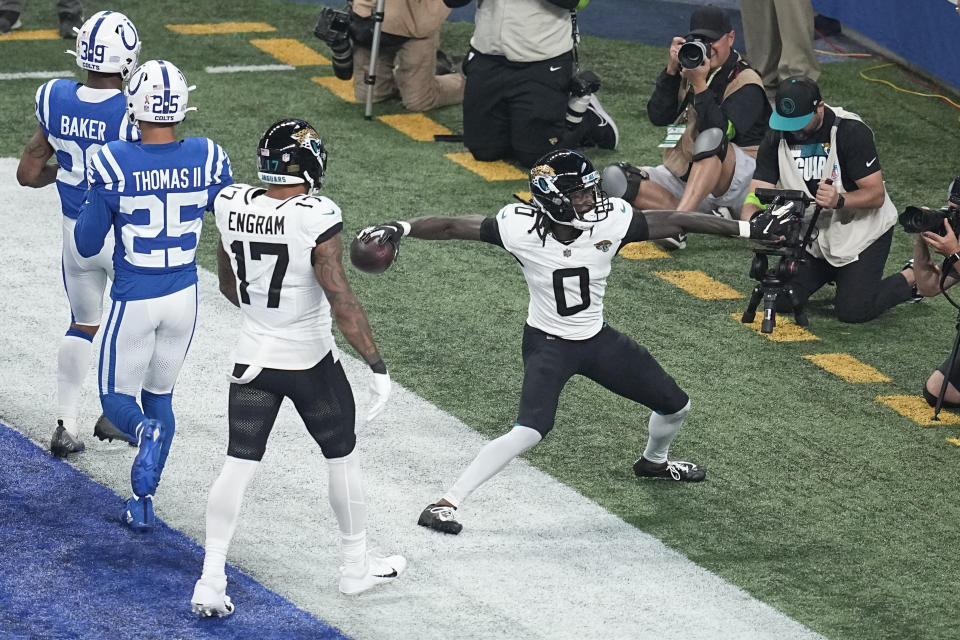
(210, 598)
(377, 571)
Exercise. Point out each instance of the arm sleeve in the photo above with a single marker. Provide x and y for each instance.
(743, 107)
(490, 232)
(42, 104)
(638, 230)
(223, 174)
(93, 222)
(768, 166)
(663, 106)
(856, 150)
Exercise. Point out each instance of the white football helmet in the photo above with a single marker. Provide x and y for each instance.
(109, 43)
(157, 92)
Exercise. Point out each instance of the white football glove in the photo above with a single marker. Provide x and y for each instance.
(379, 389)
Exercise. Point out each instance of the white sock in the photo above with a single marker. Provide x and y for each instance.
(663, 429)
(73, 361)
(223, 509)
(349, 506)
(493, 457)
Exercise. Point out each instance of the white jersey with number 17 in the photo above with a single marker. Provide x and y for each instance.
(286, 316)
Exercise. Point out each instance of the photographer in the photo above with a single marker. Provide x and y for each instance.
(715, 111)
(519, 71)
(829, 154)
(931, 282)
(407, 60)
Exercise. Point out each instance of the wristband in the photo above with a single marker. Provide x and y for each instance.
(753, 199)
(582, 4)
(744, 228)
(379, 366)
(840, 201)
(405, 226)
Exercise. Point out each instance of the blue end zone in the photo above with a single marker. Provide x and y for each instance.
(68, 569)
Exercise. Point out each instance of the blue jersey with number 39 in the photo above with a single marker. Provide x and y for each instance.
(77, 121)
(154, 197)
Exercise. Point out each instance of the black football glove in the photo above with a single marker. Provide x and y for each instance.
(772, 225)
(382, 233)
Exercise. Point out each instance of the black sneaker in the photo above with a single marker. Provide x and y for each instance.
(69, 23)
(678, 470)
(62, 444)
(105, 430)
(440, 518)
(672, 243)
(602, 129)
(9, 20)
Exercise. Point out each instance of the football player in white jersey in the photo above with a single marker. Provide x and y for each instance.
(564, 241)
(280, 262)
(152, 195)
(75, 121)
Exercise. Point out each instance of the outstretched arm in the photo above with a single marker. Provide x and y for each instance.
(426, 228)
(347, 311)
(663, 224)
(33, 170)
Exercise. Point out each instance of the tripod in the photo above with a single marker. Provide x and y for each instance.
(371, 77)
(774, 282)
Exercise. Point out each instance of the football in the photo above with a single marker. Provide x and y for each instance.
(372, 257)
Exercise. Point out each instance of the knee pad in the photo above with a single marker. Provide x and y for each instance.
(712, 142)
(622, 180)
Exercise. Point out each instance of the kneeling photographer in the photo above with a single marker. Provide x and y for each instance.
(407, 62)
(830, 155)
(937, 230)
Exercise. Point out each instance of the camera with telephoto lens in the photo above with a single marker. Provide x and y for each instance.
(582, 87)
(333, 27)
(918, 220)
(693, 52)
(584, 83)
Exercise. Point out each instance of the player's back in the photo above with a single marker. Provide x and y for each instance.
(286, 316)
(159, 193)
(77, 121)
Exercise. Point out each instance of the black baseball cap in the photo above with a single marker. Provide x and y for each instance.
(710, 22)
(796, 102)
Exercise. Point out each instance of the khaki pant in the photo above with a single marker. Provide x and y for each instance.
(779, 39)
(410, 72)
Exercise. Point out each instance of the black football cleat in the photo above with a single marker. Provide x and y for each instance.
(677, 470)
(63, 444)
(440, 518)
(105, 430)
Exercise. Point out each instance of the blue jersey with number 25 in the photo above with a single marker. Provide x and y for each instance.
(154, 197)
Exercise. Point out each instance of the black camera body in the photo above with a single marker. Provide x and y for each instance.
(333, 27)
(787, 208)
(693, 52)
(918, 220)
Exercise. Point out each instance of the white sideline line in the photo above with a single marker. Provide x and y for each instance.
(535, 560)
(39, 75)
(250, 67)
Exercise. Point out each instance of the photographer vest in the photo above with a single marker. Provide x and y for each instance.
(842, 234)
(679, 158)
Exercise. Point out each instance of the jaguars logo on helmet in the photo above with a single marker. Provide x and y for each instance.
(292, 152)
(558, 175)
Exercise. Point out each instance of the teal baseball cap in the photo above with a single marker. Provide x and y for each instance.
(797, 100)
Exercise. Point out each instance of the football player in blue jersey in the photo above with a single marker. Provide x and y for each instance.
(75, 121)
(565, 241)
(153, 194)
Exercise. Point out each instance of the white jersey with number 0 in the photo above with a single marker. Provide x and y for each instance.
(566, 281)
(286, 316)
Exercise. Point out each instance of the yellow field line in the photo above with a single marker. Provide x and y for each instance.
(700, 285)
(785, 331)
(220, 27)
(844, 365)
(34, 34)
(490, 171)
(642, 251)
(343, 89)
(917, 409)
(290, 51)
(416, 125)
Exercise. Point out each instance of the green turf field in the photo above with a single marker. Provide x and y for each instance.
(820, 500)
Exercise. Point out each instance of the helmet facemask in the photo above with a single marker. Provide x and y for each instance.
(554, 196)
